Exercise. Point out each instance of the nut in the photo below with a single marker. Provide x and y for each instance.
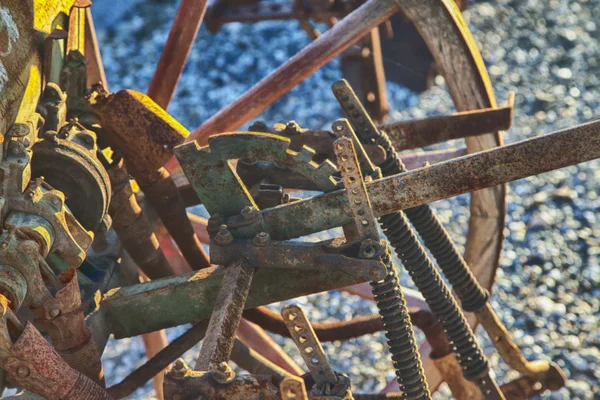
(250, 213)
(179, 368)
(223, 237)
(54, 312)
(222, 372)
(23, 371)
(262, 239)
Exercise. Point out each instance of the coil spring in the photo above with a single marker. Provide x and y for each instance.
(471, 294)
(399, 333)
(431, 285)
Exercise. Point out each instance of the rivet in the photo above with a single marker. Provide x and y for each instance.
(23, 371)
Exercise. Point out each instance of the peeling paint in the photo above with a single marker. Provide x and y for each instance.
(7, 23)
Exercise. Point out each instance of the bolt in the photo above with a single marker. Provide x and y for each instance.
(375, 273)
(23, 371)
(292, 127)
(4, 245)
(179, 368)
(262, 239)
(259, 126)
(222, 367)
(223, 237)
(55, 312)
(338, 127)
(179, 364)
(250, 213)
(56, 201)
(222, 372)
(87, 139)
(26, 142)
(19, 130)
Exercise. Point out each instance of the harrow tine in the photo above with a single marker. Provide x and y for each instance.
(226, 316)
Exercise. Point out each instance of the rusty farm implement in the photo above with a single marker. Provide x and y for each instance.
(75, 229)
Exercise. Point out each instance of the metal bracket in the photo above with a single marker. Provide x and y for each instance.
(322, 256)
(356, 192)
(328, 383)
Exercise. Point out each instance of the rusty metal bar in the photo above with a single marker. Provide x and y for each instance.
(296, 69)
(147, 307)
(177, 48)
(133, 228)
(226, 315)
(146, 134)
(177, 300)
(95, 68)
(162, 194)
(439, 181)
(425, 132)
(546, 373)
(306, 341)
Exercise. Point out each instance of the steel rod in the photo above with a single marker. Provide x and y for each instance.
(425, 132)
(176, 51)
(95, 68)
(440, 181)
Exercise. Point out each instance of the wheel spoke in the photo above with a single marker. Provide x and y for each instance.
(425, 132)
(95, 68)
(175, 53)
(298, 68)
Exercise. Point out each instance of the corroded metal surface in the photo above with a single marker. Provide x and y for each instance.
(310, 348)
(128, 116)
(147, 307)
(133, 228)
(226, 315)
(191, 385)
(544, 373)
(36, 366)
(466, 174)
(425, 132)
(25, 24)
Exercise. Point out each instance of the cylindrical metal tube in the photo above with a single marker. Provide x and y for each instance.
(34, 365)
(133, 228)
(163, 195)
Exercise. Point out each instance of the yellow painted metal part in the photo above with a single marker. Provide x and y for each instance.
(24, 24)
(139, 127)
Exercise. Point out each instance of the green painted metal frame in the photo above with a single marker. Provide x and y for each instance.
(424, 185)
(168, 302)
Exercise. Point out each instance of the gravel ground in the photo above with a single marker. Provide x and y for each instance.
(548, 52)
